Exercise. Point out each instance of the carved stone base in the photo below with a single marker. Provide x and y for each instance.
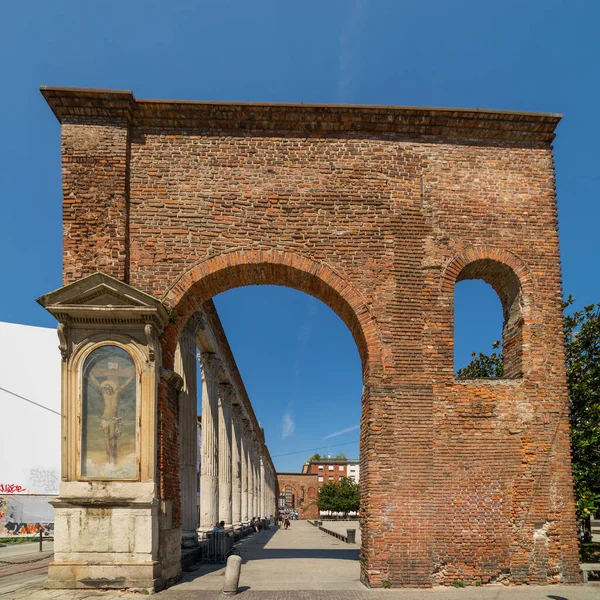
(109, 538)
(138, 576)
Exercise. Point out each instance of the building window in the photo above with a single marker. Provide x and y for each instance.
(109, 415)
(320, 479)
(341, 467)
(289, 497)
(331, 478)
(331, 467)
(320, 467)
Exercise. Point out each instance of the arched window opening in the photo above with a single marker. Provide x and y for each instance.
(496, 344)
(109, 415)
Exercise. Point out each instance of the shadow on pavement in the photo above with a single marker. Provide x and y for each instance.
(253, 548)
(297, 553)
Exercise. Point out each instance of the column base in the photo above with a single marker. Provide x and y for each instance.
(137, 577)
(202, 531)
(189, 539)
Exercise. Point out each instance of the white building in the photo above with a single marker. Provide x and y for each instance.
(353, 470)
(30, 439)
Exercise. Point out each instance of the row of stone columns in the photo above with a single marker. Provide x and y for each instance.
(236, 480)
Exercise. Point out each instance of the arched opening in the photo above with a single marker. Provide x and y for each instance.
(506, 285)
(233, 274)
(477, 331)
(302, 371)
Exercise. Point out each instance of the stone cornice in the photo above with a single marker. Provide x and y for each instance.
(302, 119)
(103, 300)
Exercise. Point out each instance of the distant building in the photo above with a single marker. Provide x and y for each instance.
(298, 493)
(332, 469)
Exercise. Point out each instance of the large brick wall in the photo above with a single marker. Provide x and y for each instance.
(305, 487)
(377, 212)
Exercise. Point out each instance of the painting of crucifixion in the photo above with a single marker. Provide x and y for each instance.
(109, 411)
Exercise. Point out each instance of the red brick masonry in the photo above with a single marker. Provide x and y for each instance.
(304, 488)
(377, 211)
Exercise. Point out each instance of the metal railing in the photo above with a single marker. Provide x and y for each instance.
(217, 546)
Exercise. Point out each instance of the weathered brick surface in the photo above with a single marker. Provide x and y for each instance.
(168, 445)
(305, 488)
(377, 212)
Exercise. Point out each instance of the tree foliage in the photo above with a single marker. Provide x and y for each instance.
(582, 344)
(483, 365)
(314, 457)
(582, 347)
(340, 496)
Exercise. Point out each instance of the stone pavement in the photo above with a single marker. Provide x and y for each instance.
(301, 558)
(31, 569)
(304, 563)
(342, 526)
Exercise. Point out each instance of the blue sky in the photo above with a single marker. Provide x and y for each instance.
(539, 55)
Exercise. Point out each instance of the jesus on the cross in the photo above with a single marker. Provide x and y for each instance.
(110, 422)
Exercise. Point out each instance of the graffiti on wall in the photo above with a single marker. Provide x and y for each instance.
(11, 488)
(44, 481)
(25, 516)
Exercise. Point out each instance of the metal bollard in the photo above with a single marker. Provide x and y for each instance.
(232, 575)
(351, 536)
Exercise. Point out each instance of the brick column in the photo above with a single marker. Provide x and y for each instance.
(225, 398)
(236, 467)
(209, 472)
(95, 179)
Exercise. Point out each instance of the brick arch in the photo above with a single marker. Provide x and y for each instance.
(451, 273)
(215, 275)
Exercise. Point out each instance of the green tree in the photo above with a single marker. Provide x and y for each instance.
(340, 496)
(483, 365)
(582, 344)
(341, 456)
(314, 457)
(582, 348)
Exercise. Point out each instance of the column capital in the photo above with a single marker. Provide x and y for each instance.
(238, 412)
(226, 392)
(210, 365)
(196, 322)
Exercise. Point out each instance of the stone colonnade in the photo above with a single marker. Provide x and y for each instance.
(237, 478)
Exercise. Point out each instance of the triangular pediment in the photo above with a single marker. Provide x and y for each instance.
(101, 293)
(104, 296)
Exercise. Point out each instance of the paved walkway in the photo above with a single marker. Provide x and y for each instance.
(342, 526)
(300, 558)
(304, 563)
(30, 570)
